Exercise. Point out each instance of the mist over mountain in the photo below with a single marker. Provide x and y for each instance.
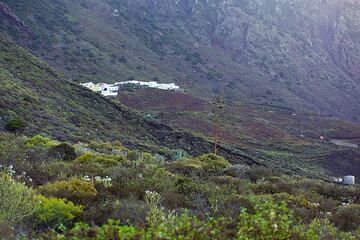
(298, 54)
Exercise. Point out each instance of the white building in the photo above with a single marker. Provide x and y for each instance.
(349, 180)
(112, 89)
(109, 93)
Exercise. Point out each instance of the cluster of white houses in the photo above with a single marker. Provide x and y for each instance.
(112, 89)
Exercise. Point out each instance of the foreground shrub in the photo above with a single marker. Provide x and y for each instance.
(127, 210)
(51, 212)
(269, 221)
(111, 230)
(320, 229)
(75, 190)
(169, 225)
(16, 200)
(347, 218)
(162, 224)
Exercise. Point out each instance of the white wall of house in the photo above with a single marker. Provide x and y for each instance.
(112, 89)
(109, 93)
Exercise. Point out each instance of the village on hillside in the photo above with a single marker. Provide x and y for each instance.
(111, 90)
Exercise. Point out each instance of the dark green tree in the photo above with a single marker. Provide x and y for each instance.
(16, 125)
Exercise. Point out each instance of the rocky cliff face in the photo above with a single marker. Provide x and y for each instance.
(301, 50)
(302, 54)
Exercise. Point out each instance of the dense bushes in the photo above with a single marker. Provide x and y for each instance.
(63, 151)
(268, 221)
(101, 159)
(16, 200)
(40, 141)
(347, 217)
(213, 163)
(205, 164)
(51, 212)
(75, 190)
(150, 198)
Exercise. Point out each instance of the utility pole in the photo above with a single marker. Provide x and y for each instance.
(218, 113)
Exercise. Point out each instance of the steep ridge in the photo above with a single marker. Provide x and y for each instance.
(298, 54)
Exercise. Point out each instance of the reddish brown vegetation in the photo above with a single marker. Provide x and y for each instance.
(154, 99)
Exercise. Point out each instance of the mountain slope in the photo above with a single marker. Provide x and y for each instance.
(272, 52)
(176, 41)
(291, 140)
(53, 105)
(49, 102)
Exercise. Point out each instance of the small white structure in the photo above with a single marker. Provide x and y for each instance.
(109, 93)
(162, 86)
(103, 88)
(349, 180)
(109, 90)
(112, 89)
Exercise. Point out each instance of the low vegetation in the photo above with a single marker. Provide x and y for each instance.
(107, 191)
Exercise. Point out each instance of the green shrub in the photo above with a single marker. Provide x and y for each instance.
(63, 151)
(136, 182)
(269, 221)
(133, 156)
(111, 230)
(40, 141)
(16, 200)
(319, 229)
(185, 227)
(75, 190)
(258, 173)
(149, 159)
(213, 162)
(13, 152)
(188, 227)
(126, 210)
(51, 212)
(15, 125)
(347, 218)
(187, 166)
(177, 154)
(207, 163)
(89, 169)
(101, 159)
(146, 159)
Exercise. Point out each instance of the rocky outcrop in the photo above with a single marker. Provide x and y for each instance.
(305, 52)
